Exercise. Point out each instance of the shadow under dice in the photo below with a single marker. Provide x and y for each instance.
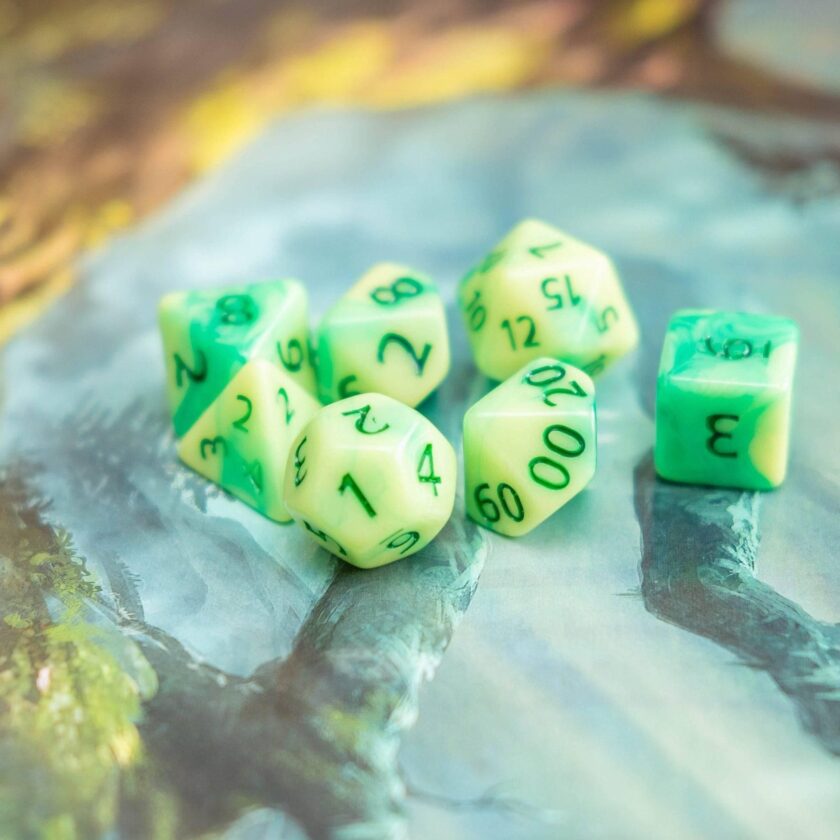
(209, 335)
(243, 439)
(388, 335)
(723, 399)
(541, 292)
(529, 446)
(371, 480)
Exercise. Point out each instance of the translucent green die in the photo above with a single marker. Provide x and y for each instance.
(242, 440)
(371, 480)
(387, 334)
(723, 399)
(529, 446)
(209, 335)
(542, 293)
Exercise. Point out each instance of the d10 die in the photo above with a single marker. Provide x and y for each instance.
(242, 440)
(387, 334)
(542, 293)
(723, 399)
(371, 480)
(529, 446)
(209, 335)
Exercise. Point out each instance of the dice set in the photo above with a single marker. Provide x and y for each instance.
(325, 432)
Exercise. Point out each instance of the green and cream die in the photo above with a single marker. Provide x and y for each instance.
(371, 480)
(242, 440)
(388, 335)
(529, 446)
(540, 292)
(723, 399)
(208, 336)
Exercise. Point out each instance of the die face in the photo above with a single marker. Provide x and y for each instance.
(529, 446)
(723, 399)
(539, 293)
(209, 335)
(243, 438)
(386, 335)
(371, 480)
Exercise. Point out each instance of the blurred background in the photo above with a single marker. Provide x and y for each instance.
(108, 110)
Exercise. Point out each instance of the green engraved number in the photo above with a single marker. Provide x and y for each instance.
(344, 387)
(293, 360)
(712, 422)
(362, 419)
(240, 423)
(509, 499)
(555, 374)
(401, 539)
(564, 478)
(400, 289)
(426, 460)
(255, 473)
(735, 348)
(402, 341)
(212, 444)
(300, 460)
(197, 375)
(237, 309)
(323, 536)
(539, 250)
(557, 297)
(476, 311)
(347, 483)
(602, 323)
(530, 339)
(289, 412)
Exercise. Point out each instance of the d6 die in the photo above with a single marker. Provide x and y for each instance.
(209, 335)
(542, 293)
(387, 334)
(242, 440)
(529, 446)
(371, 480)
(723, 399)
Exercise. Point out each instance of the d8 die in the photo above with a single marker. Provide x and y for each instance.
(242, 440)
(209, 335)
(529, 446)
(387, 334)
(371, 480)
(723, 399)
(542, 293)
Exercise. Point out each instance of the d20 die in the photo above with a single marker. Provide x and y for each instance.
(541, 292)
(387, 335)
(723, 399)
(242, 440)
(209, 335)
(371, 480)
(529, 446)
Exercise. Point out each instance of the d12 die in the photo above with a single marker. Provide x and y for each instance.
(371, 480)
(209, 335)
(529, 446)
(388, 335)
(542, 293)
(723, 399)
(242, 440)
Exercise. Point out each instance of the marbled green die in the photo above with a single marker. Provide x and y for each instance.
(541, 292)
(371, 480)
(723, 399)
(529, 446)
(388, 335)
(242, 441)
(209, 335)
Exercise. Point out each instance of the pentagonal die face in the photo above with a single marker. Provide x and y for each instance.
(723, 399)
(209, 335)
(541, 292)
(387, 335)
(529, 446)
(371, 480)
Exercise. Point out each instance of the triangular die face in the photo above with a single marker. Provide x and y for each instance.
(242, 440)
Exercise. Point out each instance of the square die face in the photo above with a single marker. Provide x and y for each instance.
(723, 399)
